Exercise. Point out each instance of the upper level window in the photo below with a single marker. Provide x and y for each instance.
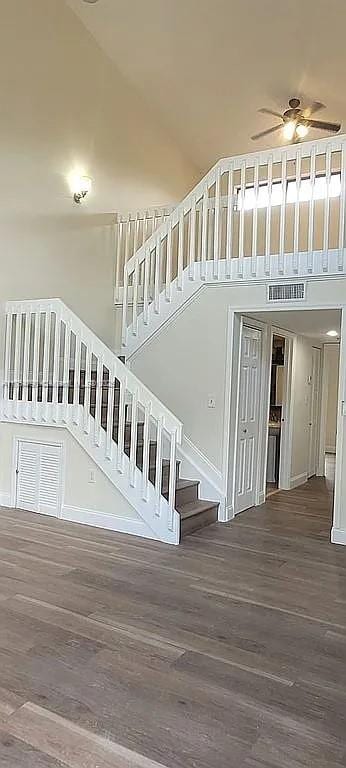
(248, 201)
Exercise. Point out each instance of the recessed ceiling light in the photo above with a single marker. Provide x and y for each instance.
(90, 1)
(332, 333)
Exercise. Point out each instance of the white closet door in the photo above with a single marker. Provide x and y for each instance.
(39, 477)
(248, 415)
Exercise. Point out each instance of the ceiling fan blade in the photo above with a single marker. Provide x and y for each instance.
(315, 107)
(265, 111)
(265, 133)
(323, 126)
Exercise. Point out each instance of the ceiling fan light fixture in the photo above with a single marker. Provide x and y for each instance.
(302, 130)
(289, 130)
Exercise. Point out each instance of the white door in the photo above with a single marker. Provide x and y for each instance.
(248, 419)
(314, 412)
(39, 477)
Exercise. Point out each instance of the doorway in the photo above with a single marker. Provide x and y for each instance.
(277, 401)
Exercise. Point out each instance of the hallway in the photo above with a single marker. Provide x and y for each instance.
(229, 650)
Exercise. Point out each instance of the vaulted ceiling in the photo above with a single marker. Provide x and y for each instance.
(206, 66)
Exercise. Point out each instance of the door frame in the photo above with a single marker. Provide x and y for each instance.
(319, 357)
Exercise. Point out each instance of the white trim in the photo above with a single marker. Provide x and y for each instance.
(107, 521)
(196, 465)
(5, 499)
(298, 480)
(330, 449)
(338, 536)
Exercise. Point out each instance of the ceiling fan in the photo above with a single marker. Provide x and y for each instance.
(296, 122)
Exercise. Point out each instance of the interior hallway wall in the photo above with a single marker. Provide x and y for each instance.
(331, 358)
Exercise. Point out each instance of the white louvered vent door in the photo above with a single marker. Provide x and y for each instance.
(39, 477)
(49, 500)
(28, 469)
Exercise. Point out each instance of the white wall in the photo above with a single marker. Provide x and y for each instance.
(88, 494)
(331, 358)
(66, 107)
(301, 393)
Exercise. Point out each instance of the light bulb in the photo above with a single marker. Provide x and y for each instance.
(334, 334)
(302, 130)
(80, 186)
(289, 130)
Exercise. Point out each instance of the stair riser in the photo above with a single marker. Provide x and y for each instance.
(200, 520)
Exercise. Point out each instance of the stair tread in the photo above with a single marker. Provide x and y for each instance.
(196, 507)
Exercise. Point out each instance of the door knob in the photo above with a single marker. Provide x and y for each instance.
(245, 431)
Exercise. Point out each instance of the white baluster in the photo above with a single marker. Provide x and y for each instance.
(121, 427)
(110, 413)
(168, 289)
(217, 227)
(297, 211)
(8, 343)
(311, 210)
(204, 239)
(192, 244)
(158, 469)
(77, 377)
(125, 307)
(133, 448)
(146, 286)
(172, 479)
(146, 452)
(135, 298)
(35, 365)
(66, 372)
(229, 229)
(268, 217)
(157, 275)
(342, 204)
(98, 400)
(180, 250)
(17, 344)
(56, 365)
(87, 389)
(242, 220)
(283, 214)
(25, 378)
(325, 254)
(254, 220)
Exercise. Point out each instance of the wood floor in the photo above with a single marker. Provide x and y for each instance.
(228, 651)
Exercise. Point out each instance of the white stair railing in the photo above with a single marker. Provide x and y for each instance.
(57, 372)
(257, 216)
(131, 231)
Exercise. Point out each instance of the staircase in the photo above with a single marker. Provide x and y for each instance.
(265, 216)
(58, 373)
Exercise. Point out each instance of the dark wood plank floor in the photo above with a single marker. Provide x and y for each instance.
(228, 651)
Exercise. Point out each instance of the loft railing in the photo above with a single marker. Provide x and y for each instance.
(132, 230)
(256, 216)
(57, 372)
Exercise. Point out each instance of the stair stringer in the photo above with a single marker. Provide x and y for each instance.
(162, 524)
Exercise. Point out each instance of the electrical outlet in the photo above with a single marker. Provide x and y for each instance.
(211, 402)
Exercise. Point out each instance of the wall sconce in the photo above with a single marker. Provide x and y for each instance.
(80, 186)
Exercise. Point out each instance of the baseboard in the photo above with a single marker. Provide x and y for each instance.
(103, 520)
(298, 480)
(5, 499)
(338, 536)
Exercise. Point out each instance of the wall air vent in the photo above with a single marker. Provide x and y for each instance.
(286, 292)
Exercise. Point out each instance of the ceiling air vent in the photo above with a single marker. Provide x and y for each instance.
(286, 292)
